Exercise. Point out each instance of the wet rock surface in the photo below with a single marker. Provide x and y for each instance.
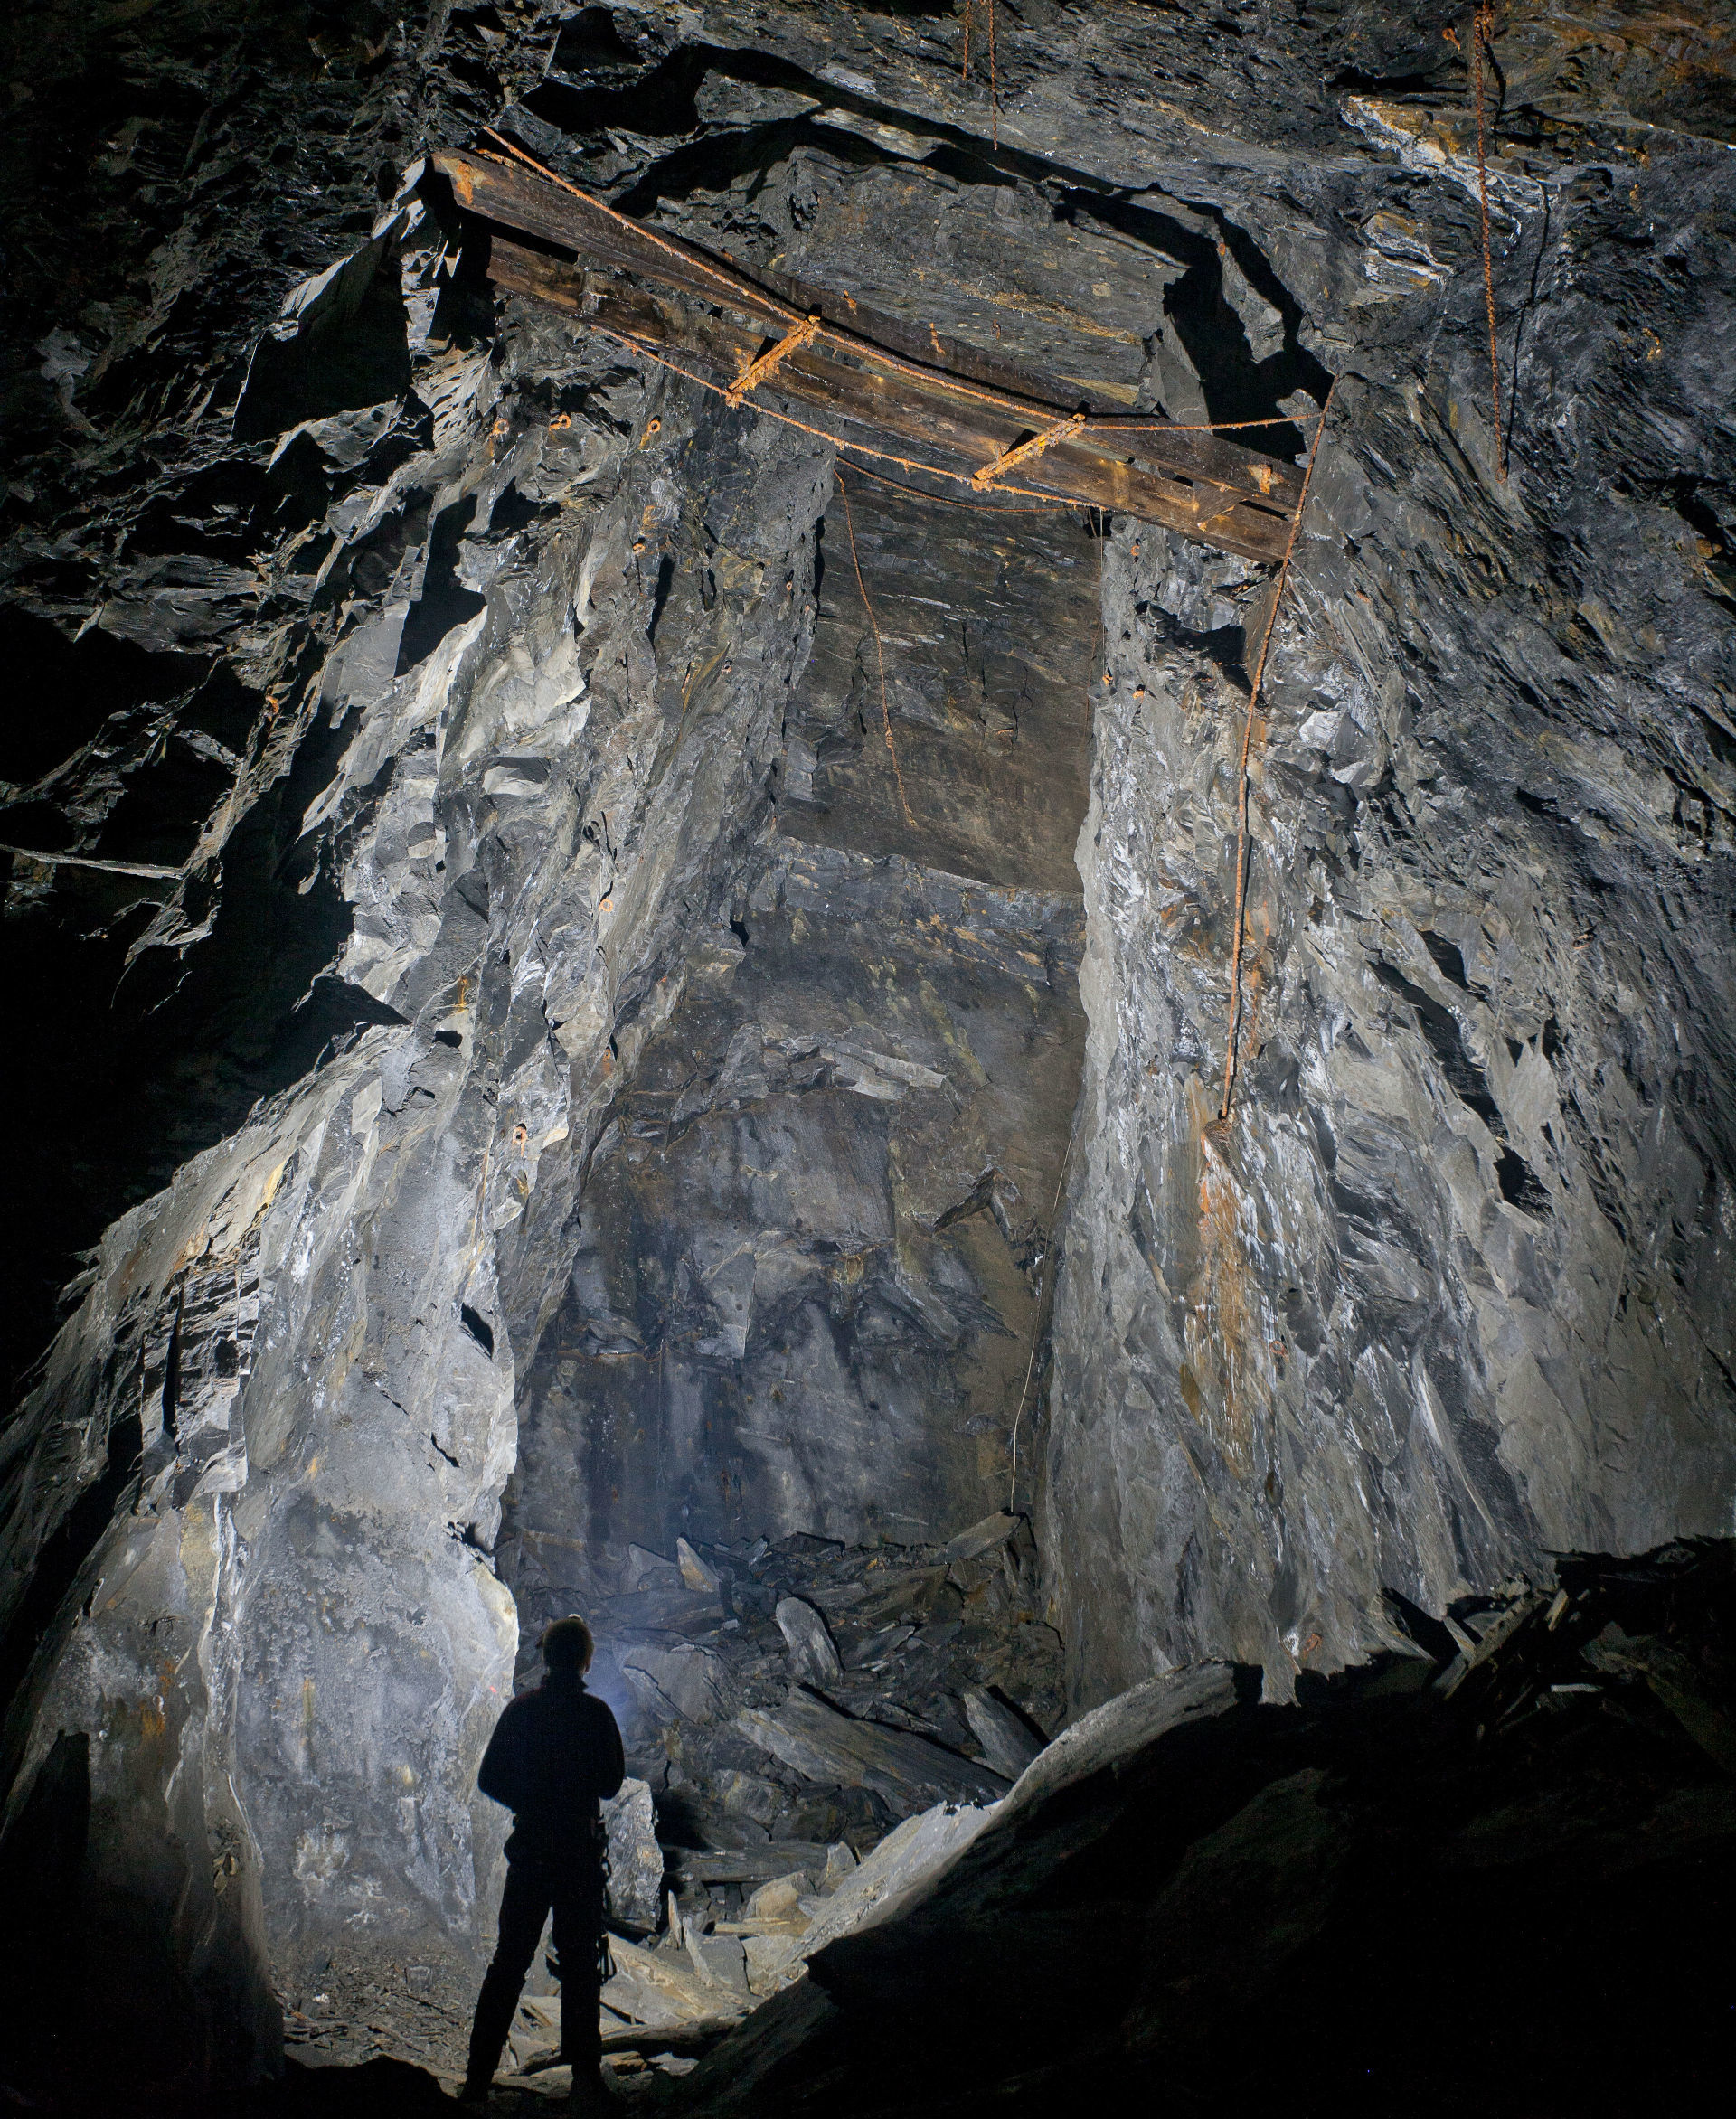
(527, 1053)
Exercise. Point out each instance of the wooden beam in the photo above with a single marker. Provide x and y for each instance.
(865, 393)
(925, 429)
(518, 199)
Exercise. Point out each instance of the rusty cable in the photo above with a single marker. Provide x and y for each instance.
(880, 654)
(1247, 742)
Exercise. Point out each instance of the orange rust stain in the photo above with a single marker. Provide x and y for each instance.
(1225, 1309)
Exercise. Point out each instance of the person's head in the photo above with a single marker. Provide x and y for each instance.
(567, 1646)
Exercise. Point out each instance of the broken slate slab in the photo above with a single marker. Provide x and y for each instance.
(779, 1897)
(656, 1988)
(721, 1963)
(813, 1654)
(878, 1646)
(682, 1680)
(698, 1574)
(1008, 1741)
(901, 1593)
(748, 1794)
(909, 1856)
(981, 1537)
(748, 1864)
(1119, 1728)
(642, 1564)
(635, 1858)
(907, 1772)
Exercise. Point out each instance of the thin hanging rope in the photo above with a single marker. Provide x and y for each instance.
(884, 455)
(993, 83)
(1099, 424)
(945, 500)
(880, 654)
(1482, 46)
(1246, 741)
(856, 449)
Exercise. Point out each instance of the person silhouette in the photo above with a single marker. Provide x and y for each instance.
(555, 1756)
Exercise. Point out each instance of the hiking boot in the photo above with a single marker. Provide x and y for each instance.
(473, 2092)
(588, 2098)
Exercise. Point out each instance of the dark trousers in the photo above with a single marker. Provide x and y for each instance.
(534, 1889)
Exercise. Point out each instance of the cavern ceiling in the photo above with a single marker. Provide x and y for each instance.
(896, 838)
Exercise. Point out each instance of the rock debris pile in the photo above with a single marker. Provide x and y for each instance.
(1247, 1904)
(1188, 1882)
(810, 1692)
(811, 1727)
(806, 1711)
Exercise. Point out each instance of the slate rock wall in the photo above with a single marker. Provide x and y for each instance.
(418, 761)
(1450, 1290)
(806, 1272)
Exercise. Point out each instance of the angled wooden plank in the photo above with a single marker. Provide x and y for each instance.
(519, 198)
(944, 434)
(884, 409)
(516, 197)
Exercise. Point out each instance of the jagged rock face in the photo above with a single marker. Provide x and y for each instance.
(804, 1279)
(1451, 1290)
(670, 1136)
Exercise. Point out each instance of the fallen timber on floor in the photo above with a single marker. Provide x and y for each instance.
(984, 429)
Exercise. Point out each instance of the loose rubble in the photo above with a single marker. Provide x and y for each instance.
(820, 1724)
(1525, 1810)
(1187, 1883)
(812, 1728)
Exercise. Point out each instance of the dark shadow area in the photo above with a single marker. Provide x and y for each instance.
(38, 1620)
(351, 351)
(59, 692)
(42, 1886)
(118, 1075)
(444, 602)
(1188, 1921)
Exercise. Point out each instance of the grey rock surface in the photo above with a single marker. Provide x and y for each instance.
(1007, 1741)
(531, 1053)
(1171, 1896)
(813, 1654)
(635, 1858)
(905, 1770)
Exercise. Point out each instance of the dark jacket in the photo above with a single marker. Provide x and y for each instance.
(555, 1754)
